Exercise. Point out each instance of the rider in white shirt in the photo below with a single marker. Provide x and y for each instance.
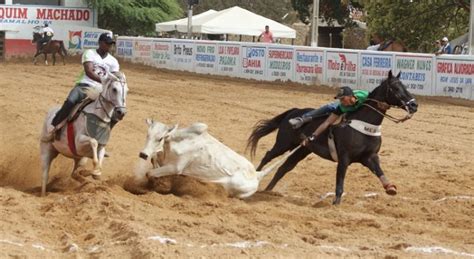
(97, 65)
(48, 34)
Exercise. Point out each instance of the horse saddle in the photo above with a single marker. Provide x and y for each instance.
(385, 44)
(76, 110)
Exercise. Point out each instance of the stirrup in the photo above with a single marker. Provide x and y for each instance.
(296, 122)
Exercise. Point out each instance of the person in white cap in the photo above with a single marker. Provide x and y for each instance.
(446, 49)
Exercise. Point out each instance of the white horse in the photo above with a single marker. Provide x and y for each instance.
(87, 135)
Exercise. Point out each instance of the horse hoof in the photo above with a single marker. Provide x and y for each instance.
(390, 189)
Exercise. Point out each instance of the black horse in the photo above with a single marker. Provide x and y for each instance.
(351, 145)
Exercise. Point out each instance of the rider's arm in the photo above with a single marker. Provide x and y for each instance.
(89, 70)
(330, 120)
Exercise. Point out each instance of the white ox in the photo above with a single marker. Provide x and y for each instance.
(194, 152)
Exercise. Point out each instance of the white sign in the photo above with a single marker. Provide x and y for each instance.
(455, 77)
(416, 72)
(341, 68)
(183, 55)
(161, 53)
(374, 68)
(253, 61)
(205, 59)
(142, 51)
(229, 59)
(309, 66)
(280, 63)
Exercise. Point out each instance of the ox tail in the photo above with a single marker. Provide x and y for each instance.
(63, 49)
(263, 128)
(269, 169)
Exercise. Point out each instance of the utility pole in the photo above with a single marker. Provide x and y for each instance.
(191, 3)
(314, 24)
(471, 29)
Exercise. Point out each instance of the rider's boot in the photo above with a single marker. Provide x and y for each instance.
(297, 122)
(60, 116)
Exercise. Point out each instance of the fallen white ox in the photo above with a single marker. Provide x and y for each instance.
(194, 152)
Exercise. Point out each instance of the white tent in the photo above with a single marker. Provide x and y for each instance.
(173, 25)
(238, 21)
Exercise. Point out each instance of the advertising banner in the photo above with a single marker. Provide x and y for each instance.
(253, 61)
(183, 53)
(455, 77)
(229, 59)
(416, 72)
(161, 54)
(309, 66)
(205, 60)
(125, 48)
(280, 63)
(374, 68)
(341, 68)
(142, 51)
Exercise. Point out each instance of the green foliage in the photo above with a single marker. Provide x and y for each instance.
(134, 17)
(329, 10)
(418, 23)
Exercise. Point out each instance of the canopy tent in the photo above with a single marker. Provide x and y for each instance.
(234, 20)
(173, 25)
(238, 21)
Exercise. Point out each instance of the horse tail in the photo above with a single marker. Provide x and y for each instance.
(62, 48)
(263, 128)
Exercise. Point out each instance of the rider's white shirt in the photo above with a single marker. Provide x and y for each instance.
(102, 66)
(48, 29)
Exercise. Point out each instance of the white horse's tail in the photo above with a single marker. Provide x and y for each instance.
(264, 172)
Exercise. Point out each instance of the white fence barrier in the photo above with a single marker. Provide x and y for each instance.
(423, 74)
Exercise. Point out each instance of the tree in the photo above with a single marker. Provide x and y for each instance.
(329, 10)
(418, 23)
(134, 17)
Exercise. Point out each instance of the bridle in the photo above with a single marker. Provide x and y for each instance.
(103, 99)
(383, 107)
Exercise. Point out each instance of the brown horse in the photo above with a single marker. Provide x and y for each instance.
(388, 44)
(53, 47)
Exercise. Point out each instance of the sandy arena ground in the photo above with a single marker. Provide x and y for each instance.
(429, 158)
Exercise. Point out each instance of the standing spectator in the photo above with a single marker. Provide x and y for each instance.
(438, 48)
(446, 47)
(267, 35)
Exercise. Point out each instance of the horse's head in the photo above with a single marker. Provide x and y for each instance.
(36, 37)
(115, 92)
(393, 92)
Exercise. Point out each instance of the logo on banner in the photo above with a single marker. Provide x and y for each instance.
(75, 39)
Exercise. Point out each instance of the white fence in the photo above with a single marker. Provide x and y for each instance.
(424, 74)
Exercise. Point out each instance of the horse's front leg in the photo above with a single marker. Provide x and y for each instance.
(45, 58)
(84, 140)
(79, 164)
(340, 176)
(373, 163)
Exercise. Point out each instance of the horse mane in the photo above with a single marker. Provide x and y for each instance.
(376, 90)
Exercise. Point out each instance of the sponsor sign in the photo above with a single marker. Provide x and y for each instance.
(374, 69)
(161, 53)
(253, 61)
(309, 66)
(455, 77)
(205, 60)
(280, 63)
(183, 55)
(341, 68)
(416, 72)
(228, 59)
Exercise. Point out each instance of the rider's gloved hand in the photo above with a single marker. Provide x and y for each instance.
(307, 140)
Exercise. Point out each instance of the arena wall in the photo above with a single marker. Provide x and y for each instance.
(424, 74)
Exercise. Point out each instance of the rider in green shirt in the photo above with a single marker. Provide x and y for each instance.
(348, 101)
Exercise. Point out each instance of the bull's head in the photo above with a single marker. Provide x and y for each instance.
(158, 134)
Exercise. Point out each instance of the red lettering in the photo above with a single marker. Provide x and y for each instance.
(56, 14)
(22, 13)
(87, 15)
(71, 15)
(79, 15)
(49, 15)
(64, 14)
(40, 14)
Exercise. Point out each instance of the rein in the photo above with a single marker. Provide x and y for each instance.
(385, 106)
(102, 98)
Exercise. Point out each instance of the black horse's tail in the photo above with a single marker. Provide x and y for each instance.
(263, 128)
(62, 48)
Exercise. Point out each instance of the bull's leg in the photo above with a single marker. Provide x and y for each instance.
(48, 153)
(163, 171)
(373, 163)
(289, 164)
(341, 174)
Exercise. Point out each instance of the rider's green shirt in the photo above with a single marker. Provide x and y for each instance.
(361, 96)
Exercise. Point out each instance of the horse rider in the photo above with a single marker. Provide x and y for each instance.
(97, 65)
(348, 101)
(47, 33)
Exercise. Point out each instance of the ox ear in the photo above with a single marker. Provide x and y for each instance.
(171, 130)
(149, 121)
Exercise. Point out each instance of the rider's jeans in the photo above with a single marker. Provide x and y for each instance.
(322, 111)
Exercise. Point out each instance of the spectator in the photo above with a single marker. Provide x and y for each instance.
(438, 47)
(446, 47)
(373, 45)
(267, 35)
